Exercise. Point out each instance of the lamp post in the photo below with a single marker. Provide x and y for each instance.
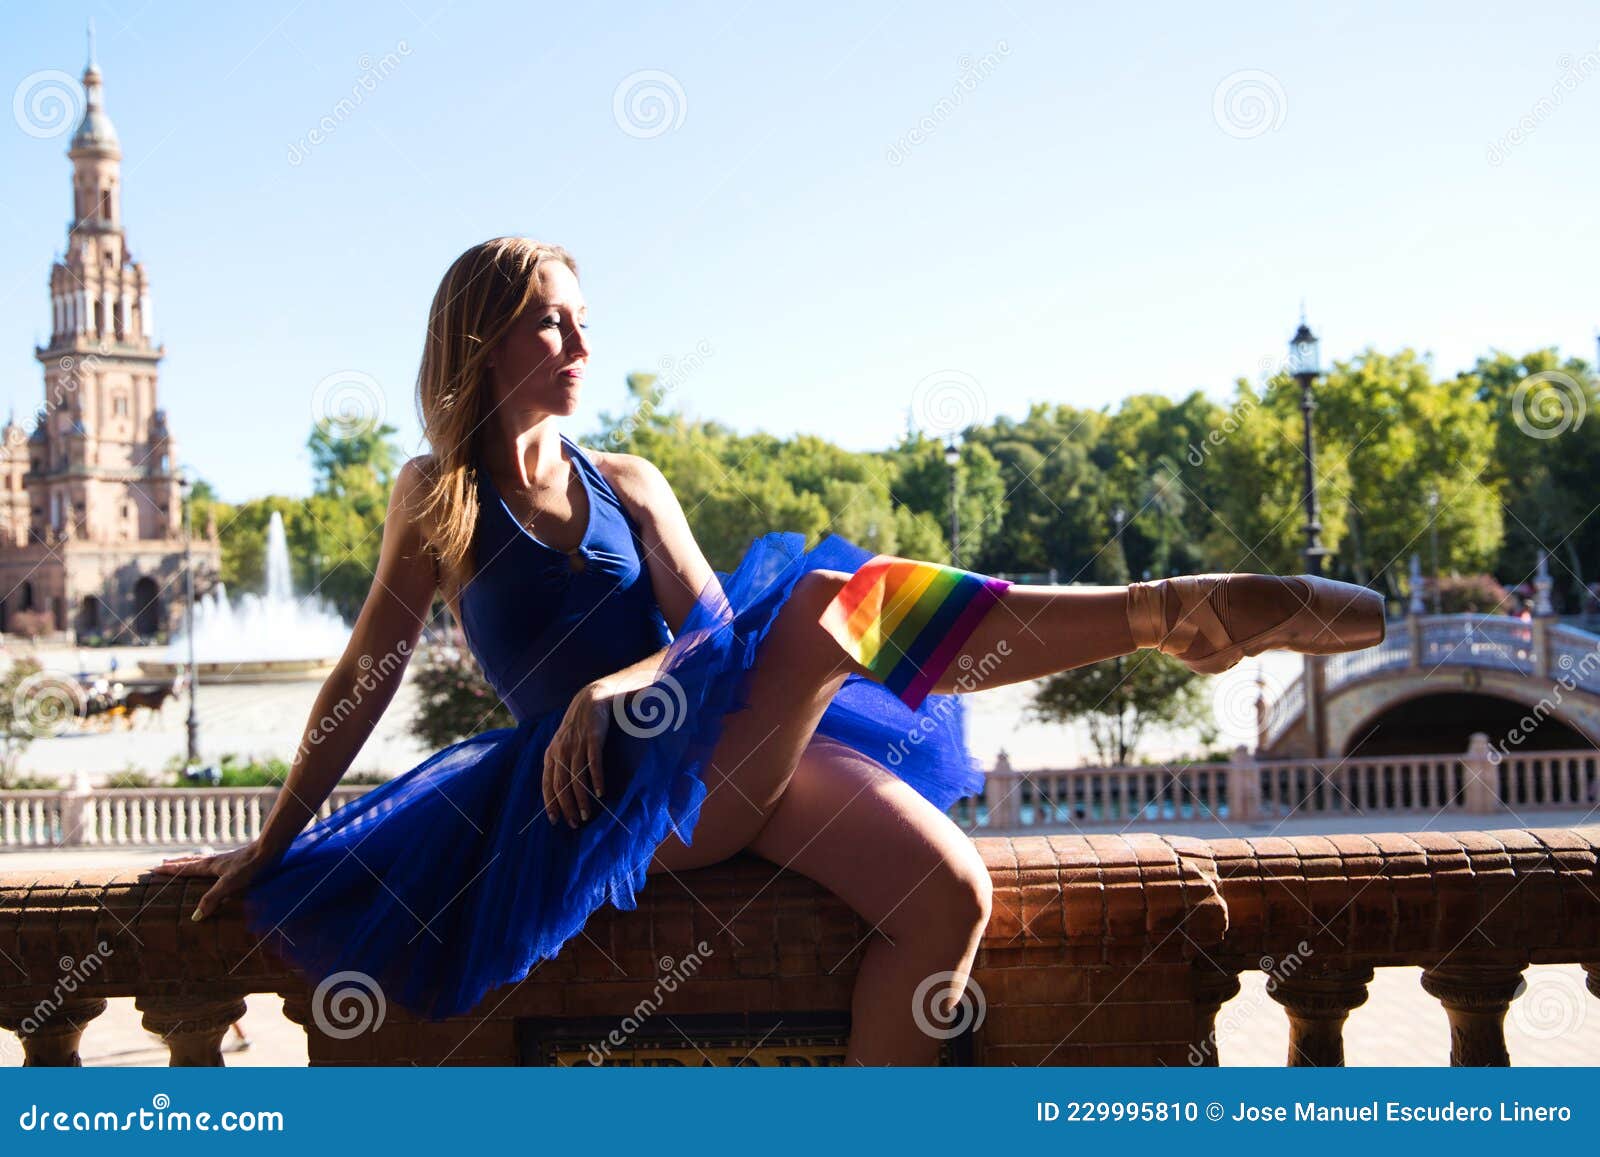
(1119, 515)
(1433, 535)
(1305, 365)
(952, 459)
(192, 724)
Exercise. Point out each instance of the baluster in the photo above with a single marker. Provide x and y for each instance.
(51, 1041)
(192, 1028)
(1213, 987)
(1475, 997)
(1317, 1006)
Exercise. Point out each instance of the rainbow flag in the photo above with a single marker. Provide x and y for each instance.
(905, 620)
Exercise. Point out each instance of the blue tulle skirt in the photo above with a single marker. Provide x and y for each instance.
(449, 881)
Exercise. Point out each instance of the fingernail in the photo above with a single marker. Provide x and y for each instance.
(195, 915)
(583, 813)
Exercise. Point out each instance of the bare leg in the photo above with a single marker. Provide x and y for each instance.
(1042, 629)
(854, 826)
(906, 869)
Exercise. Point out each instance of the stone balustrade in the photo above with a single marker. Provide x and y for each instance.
(1478, 782)
(1101, 949)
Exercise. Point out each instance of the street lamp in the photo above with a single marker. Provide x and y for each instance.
(1433, 534)
(1305, 364)
(192, 724)
(952, 459)
(1119, 515)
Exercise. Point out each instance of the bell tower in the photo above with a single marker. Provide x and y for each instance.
(95, 483)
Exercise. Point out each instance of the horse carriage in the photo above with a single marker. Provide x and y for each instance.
(110, 704)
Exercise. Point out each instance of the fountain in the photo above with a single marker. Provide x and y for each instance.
(264, 638)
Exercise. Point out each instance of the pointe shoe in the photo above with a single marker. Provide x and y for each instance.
(1332, 617)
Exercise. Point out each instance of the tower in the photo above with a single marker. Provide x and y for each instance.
(91, 517)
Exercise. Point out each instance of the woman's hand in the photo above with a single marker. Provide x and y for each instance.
(572, 771)
(234, 870)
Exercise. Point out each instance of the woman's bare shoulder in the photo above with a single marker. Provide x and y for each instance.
(415, 478)
(636, 480)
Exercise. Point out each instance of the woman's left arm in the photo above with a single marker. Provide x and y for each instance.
(679, 573)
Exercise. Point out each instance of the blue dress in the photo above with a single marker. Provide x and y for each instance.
(448, 881)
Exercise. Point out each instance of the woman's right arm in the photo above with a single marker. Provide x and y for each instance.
(352, 698)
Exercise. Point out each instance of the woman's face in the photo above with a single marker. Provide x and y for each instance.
(540, 361)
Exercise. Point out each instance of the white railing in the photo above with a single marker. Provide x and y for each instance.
(1575, 656)
(143, 817)
(30, 819)
(1496, 641)
(1534, 779)
(1363, 786)
(1086, 796)
(1394, 652)
(1243, 789)
(1285, 710)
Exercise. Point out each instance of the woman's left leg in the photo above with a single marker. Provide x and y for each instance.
(905, 868)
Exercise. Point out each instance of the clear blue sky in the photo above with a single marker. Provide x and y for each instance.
(1081, 224)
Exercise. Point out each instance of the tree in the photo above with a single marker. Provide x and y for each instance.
(18, 725)
(1120, 698)
(454, 701)
(1546, 462)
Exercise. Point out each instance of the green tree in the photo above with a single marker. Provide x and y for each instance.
(454, 701)
(1546, 463)
(1121, 698)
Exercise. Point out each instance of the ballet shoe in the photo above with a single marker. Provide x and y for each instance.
(1331, 617)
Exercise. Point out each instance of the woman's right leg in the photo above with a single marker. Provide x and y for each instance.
(1029, 632)
(801, 666)
(916, 878)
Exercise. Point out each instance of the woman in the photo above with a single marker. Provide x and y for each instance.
(668, 716)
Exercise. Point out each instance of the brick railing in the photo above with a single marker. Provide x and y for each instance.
(1102, 949)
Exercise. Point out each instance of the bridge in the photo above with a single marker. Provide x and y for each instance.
(1529, 685)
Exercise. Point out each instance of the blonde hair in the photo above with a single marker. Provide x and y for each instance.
(483, 293)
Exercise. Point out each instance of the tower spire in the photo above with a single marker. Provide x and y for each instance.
(92, 65)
